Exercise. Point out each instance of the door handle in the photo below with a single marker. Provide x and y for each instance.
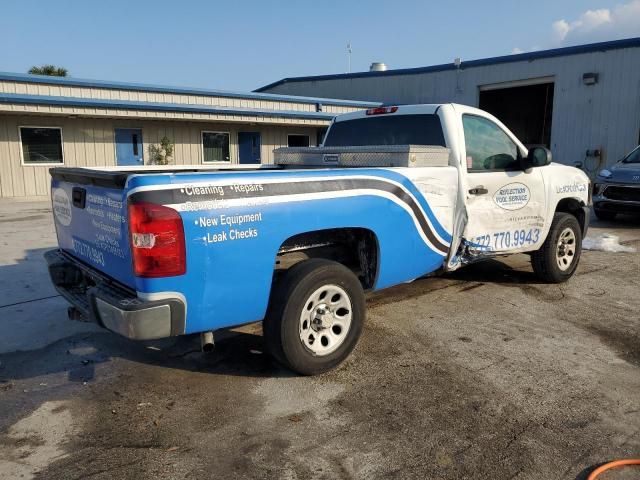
(479, 190)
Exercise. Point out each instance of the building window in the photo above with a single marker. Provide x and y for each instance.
(298, 140)
(215, 147)
(41, 145)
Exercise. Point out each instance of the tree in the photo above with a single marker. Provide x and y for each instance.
(163, 153)
(50, 70)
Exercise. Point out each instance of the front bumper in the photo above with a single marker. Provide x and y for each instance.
(616, 206)
(587, 219)
(111, 305)
(617, 197)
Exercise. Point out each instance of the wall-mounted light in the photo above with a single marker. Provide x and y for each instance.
(590, 78)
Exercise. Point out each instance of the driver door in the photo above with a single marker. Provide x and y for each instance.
(505, 205)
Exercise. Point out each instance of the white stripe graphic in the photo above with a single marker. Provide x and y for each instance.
(208, 205)
(247, 181)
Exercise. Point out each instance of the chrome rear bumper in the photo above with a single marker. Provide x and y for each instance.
(111, 305)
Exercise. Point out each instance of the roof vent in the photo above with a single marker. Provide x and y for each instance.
(378, 67)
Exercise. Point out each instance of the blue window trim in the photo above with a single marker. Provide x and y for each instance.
(157, 107)
(80, 82)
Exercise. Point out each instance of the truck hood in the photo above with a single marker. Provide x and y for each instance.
(567, 173)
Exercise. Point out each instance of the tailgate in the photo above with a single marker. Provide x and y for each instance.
(90, 215)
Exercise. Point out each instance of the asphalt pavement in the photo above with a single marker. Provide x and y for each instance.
(483, 373)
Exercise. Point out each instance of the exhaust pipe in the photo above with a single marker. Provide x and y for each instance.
(206, 340)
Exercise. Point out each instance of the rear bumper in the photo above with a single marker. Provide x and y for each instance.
(113, 306)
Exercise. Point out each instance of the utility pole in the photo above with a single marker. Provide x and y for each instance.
(349, 55)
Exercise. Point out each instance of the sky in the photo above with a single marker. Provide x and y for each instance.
(244, 44)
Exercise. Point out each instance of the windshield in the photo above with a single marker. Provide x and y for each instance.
(423, 129)
(633, 157)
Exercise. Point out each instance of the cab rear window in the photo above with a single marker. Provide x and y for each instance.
(421, 129)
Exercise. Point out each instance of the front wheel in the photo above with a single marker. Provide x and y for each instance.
(315, 316)
(557, 259)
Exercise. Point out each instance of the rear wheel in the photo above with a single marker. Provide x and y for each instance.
(315, 316)
(604, 214)
(558, 258)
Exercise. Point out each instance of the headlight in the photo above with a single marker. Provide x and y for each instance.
(605, 173)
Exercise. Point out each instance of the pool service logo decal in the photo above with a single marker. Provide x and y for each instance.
(513, 196)
(62, 206)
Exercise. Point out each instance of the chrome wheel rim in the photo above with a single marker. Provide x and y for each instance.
(325, 320)
(566, 249)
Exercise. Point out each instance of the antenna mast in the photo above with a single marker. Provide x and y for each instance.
(349, 55)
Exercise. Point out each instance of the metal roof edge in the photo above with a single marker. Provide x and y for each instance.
(517, 57)
(80, 82)
(22, 99)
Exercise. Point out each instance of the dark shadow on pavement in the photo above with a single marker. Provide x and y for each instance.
(626, 221)
(495, 271)
(236, 353)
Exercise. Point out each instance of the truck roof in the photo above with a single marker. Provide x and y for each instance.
(415, 109)
(404, 109)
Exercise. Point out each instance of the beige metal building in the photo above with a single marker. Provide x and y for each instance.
(53, 121)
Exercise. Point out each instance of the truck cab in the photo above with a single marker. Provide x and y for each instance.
(507, 194)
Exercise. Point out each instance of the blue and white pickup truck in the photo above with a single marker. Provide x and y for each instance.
(394, 193)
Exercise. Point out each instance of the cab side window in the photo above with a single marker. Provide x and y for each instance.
(489, 148)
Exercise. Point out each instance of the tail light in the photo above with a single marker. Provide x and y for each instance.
(157, 241)
(381, 110)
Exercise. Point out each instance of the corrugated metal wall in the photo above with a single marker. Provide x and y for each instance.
(24, 87)
(152, 114)
(606, 115)
(91, 142)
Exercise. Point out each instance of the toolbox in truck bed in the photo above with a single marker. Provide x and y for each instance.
(363, 156)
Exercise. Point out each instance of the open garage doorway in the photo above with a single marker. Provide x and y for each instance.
(525, 109)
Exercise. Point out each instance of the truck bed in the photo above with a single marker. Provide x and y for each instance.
(236, 221)
(116, 177)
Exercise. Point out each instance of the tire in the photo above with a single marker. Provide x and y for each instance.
(306, 331)
(604, 214)
(557, 259)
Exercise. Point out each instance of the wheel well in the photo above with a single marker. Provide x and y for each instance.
(574, 207)
(355, 248)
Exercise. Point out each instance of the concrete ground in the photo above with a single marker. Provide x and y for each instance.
(483, 374)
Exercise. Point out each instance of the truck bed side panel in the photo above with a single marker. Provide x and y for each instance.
(235, 224)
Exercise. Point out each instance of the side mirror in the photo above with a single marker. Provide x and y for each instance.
(538, 157)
